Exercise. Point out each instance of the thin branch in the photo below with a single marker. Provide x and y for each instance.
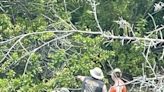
(161, 58)
(23, 46)
(36, 49)
(155, 26)
(146, 58)
(8, 52)
(94, 8)
(156, 30)
(65, 5)
(89, 32)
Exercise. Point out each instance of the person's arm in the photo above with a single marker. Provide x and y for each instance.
(104, 88)
(112, 89)
(124, 89)
(80, 77)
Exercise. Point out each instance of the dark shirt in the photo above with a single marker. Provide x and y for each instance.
(92, 85)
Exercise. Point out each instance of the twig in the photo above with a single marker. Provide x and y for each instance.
(94, 8)
(36, 49)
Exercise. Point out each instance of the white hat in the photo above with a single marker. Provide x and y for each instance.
(64, 90)
(97, 73)
(61, 90)
(117, 70)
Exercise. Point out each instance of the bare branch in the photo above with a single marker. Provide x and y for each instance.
(94, 10)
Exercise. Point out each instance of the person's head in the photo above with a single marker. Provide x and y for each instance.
(116, 73)
(97, 73)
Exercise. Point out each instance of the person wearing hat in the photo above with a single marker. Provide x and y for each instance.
(119, 85)
(93, 83)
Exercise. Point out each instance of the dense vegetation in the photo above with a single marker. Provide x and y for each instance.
(38, 53)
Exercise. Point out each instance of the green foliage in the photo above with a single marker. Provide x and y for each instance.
(57, 63)
(141, 26)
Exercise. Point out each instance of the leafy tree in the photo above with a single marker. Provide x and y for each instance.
(44, 44)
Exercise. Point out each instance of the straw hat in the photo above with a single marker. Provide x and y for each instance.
(97, 73)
